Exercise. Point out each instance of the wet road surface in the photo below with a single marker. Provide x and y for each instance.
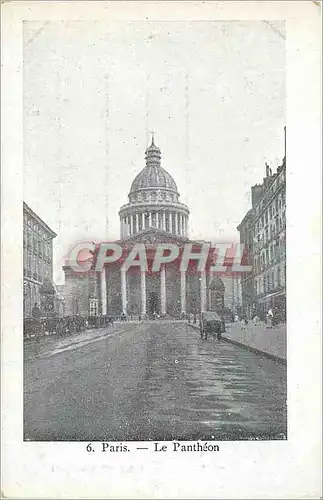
(155, 381)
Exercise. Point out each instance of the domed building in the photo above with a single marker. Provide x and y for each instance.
(153, 201)
(154, 214)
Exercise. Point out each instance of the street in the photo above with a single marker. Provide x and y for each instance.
(154, 381)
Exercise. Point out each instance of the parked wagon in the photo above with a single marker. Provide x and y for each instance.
(211, 323)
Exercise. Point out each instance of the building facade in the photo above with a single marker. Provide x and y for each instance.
(154, 214)
(37, 262)
(82, 293)
(263, 231)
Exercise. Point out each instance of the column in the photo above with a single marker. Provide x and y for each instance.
(130, 225)
(163, 290)
(143, 292)
(181, 225)
(125, 227)
(170, 222)
(143, 220)
(183, 292)
(123, 290)
(203, 290)
(176, 223)
(103, 292)
(133, 224)
(150, 219)
(210, 299)
(157, 220)
(164, 220)
(137, 223)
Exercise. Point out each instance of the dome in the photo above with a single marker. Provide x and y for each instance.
(152, 177)
(153, 201)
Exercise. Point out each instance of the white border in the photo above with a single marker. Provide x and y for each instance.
(287, 469)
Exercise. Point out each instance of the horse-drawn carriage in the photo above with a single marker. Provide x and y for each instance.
(211, 323)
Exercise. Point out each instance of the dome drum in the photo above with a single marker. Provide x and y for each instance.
(172, 221)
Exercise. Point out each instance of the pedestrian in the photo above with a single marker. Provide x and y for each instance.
(255, 320)
(36, 314)
(269, 318)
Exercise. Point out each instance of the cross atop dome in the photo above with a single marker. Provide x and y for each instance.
(152, 145)
(153, 153)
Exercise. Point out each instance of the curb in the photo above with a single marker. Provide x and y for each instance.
(266, 354)
(257, 351)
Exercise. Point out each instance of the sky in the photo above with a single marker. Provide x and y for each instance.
(213, 92)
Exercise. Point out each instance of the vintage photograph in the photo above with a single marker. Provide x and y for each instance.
(154, 231)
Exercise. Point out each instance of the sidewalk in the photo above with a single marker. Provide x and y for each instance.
(269, 341)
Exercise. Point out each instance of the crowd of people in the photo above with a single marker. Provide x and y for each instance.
(272, 318)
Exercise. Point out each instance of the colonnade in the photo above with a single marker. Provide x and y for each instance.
(163, 292)
(170, 221)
